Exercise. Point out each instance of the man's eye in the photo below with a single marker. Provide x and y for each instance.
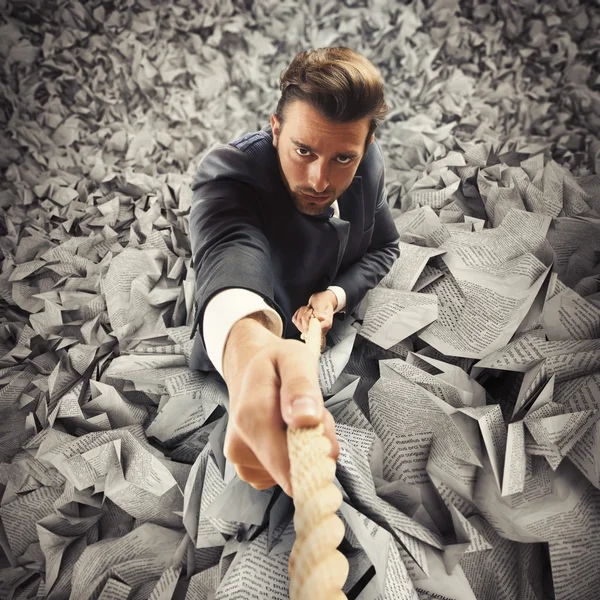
(343, 160)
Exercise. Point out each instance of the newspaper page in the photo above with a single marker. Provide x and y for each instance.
(144, 553)
(393, 315)
(408, 268)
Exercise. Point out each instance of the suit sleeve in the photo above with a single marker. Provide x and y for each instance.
(365, 273)
(229, 248)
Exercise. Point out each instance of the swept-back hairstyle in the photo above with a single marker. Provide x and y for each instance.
(340, 84)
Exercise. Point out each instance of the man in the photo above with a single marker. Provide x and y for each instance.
(288, 222)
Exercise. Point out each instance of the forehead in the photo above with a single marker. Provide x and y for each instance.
(304, 124)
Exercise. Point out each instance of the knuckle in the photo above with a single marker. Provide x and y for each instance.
(243, 422)
(261, 485)
(245, 419)
(294, 347)
(242, 474)
(234, 448)
(296, 381)
(258, 478)
(246, 472)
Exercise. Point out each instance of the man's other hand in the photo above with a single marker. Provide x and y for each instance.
(321, 305)
(273, 383)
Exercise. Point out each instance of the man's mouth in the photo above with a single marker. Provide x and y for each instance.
(315, 198)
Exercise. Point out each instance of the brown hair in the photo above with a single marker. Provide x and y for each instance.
(339, 83)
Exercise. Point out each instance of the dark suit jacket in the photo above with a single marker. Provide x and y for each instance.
(245, 232)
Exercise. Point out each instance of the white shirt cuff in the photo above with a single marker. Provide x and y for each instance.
(340, 295)
(224, 310)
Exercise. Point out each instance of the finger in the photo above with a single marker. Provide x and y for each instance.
(276, 462)
(300, 311)
(237, 451)
(305, 318)
(325, 317)
(263, 486)
(301, 325)
(257, 478)
(300, 395)
(300, 320)
(296, 319)
(261, 426)
(306, 314)
(326, 320)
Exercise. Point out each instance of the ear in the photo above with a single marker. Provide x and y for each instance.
(276, 127)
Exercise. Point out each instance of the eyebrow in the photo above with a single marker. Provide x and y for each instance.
(346, 154)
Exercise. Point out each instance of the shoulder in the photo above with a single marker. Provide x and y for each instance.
(253, 143)
(245, 160)
(372, 162)
(371, 170)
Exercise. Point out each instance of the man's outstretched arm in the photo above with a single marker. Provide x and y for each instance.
(265, 375)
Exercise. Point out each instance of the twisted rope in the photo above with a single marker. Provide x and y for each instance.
(317, 569)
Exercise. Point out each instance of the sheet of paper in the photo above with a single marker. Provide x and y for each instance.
(428, 275)
(334, 359)
(254, 572)
(499, 568)
(490, 308)
(422, 225)
(568, 316)
(407, 269)
(392, 315)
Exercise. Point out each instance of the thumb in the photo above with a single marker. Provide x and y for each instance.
(300, 395)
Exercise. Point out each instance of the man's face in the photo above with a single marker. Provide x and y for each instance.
(317, 157)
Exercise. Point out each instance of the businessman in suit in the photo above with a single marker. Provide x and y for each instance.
(286, 223)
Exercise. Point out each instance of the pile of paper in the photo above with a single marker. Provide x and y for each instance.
(456, 477)
(465, 389)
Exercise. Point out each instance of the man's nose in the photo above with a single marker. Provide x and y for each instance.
(318, 176)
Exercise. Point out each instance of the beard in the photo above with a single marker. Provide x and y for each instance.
(308, 208)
